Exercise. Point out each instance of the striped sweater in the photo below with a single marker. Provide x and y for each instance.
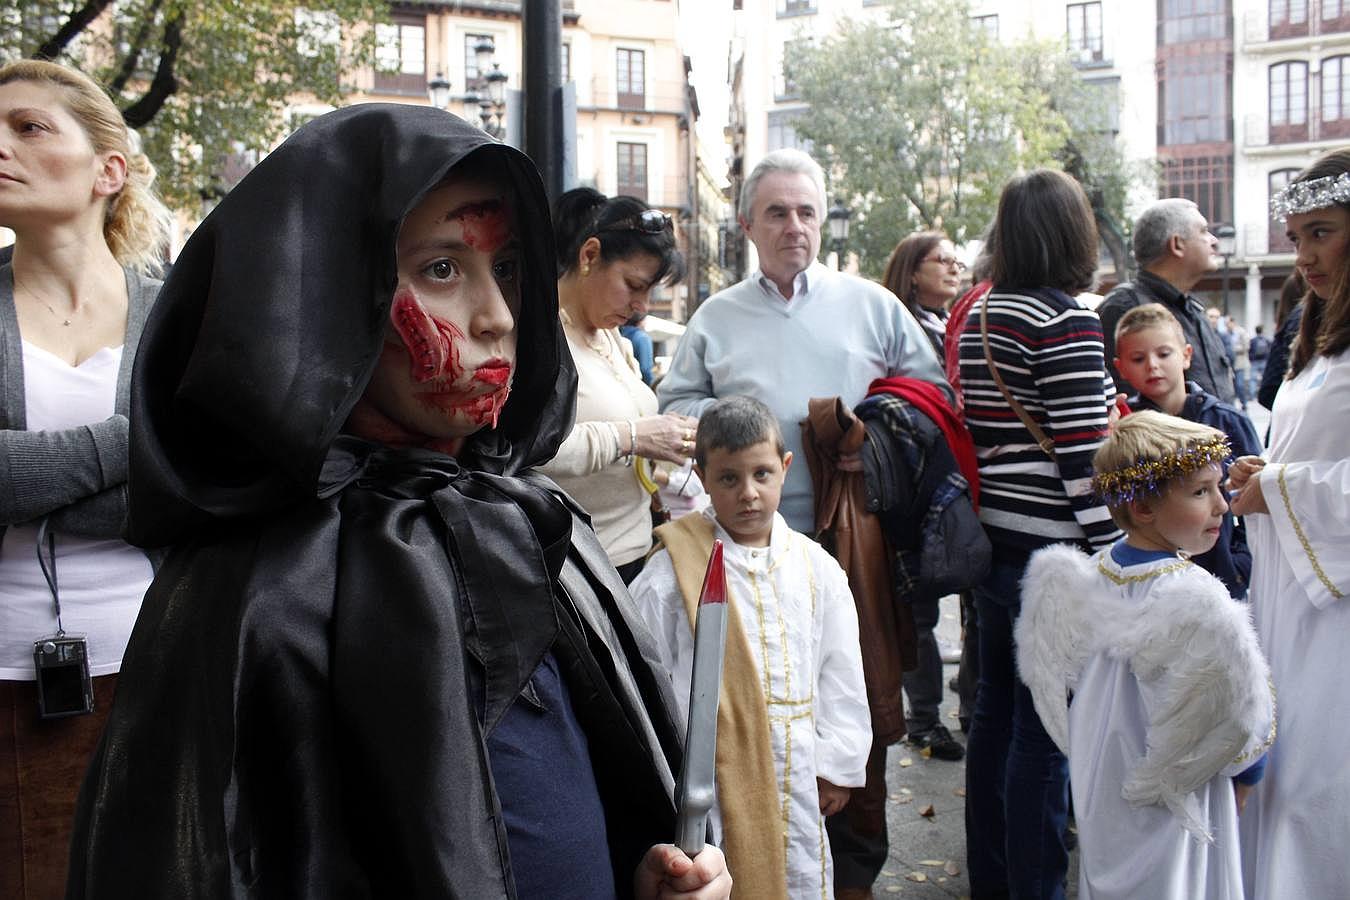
(1048, 349)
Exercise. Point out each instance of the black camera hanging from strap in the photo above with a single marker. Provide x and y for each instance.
(61, 660)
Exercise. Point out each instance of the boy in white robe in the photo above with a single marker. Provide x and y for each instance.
(1170, 693)
(793, 725)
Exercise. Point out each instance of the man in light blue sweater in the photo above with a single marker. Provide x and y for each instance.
(792, 331)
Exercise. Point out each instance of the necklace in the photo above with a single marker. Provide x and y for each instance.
(65, 320)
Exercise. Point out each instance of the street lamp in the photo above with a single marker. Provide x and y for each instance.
(438, 91)
(837, 220)
(1227, 237)
(493, 108)
(487, 91)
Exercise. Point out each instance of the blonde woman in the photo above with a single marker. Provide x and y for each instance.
(73, 300)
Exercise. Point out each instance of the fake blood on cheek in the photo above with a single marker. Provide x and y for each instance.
(433, 344)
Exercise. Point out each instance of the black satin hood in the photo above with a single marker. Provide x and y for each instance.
(270, 324)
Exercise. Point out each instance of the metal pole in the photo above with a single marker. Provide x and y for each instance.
(541, 25)
(1225, 285)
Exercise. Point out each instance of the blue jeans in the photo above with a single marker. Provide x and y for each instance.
(1016, 779)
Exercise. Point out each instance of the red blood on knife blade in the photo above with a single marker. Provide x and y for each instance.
(715, 580)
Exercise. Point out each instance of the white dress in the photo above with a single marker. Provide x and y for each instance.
(1170, 699)
(799, 619)
(1296, 828)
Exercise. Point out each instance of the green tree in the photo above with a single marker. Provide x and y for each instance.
(206, 84)
(921, 119)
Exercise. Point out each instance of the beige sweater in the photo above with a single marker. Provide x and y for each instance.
(587, 465)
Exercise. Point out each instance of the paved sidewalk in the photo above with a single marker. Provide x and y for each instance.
(928, 852)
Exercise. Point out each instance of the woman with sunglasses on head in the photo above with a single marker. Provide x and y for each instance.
(73, 301)
(611, 253)
(1297, 507)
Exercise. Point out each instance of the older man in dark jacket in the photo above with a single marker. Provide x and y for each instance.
(1174, 249)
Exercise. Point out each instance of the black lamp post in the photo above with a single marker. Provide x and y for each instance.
(837, 220)
(438, 91)
(1227, 237)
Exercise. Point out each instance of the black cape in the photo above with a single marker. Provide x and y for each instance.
(302, 707)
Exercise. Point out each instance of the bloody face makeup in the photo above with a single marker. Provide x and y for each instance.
(449, 350)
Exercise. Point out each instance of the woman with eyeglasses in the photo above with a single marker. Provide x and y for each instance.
(73, 301)
(925, 273)
(611, 253)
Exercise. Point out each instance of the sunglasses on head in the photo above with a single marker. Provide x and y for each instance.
(649, 221)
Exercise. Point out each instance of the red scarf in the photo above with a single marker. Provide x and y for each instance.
(929, 400)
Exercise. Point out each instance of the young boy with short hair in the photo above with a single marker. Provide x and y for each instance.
(1153, 356)
(793, 727)
(1171, 695)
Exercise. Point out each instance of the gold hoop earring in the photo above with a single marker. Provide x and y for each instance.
(585, 269)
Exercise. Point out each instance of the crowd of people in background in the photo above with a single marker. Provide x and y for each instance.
(369, 564)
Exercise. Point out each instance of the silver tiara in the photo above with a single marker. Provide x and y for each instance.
(1306, 196)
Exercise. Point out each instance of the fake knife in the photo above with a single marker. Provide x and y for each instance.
(695, 791)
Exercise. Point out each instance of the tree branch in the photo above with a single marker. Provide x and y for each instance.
(165, 83)
(78, 21)
(133, 56)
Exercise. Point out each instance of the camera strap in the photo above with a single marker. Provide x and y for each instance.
(48, 563)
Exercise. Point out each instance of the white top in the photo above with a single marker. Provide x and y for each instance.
(836, 334)
(101, 581)
(797, 613)
(609, 389)
(1296, 825)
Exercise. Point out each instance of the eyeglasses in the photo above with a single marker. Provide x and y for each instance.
(947, 262)
(649, 221)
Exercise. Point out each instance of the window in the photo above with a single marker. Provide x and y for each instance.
(1194, 100)
(1289, 18)
(632, 170)
(631, 79)
(986, 25)
(1193, 20)
(1335, 16)
(566, 63)
(401, 55)
(1207, 181)
(1278, 241)
(471, 42)
(1335, 97)
(1085, 31)
(796, 8)
(1288, 102)
(785, 87)
(1103, 114)
(782, 134)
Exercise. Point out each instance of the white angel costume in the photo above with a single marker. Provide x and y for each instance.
(798, 617)
(1170, 697)
(1296, 828)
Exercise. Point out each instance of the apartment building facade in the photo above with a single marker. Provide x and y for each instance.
(1228, 98)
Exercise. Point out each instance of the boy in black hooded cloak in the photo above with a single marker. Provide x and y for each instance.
(383, 657)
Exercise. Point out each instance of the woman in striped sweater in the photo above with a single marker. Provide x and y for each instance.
(1033, 376)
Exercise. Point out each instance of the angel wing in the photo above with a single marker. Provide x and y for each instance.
(1054, 633)
(1214, 707)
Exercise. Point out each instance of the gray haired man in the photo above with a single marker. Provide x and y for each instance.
(1174, 249)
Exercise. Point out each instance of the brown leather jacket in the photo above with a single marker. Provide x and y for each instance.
(853, 535)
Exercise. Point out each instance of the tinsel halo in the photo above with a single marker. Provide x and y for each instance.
(1145, 477)
(1306, 196)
